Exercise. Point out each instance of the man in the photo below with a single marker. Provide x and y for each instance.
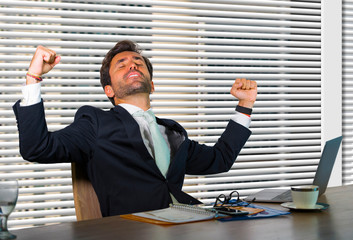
(130, 168)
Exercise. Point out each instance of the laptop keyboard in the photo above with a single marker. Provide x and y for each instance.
(285, 196)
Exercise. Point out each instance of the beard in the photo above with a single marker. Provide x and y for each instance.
(139, 85)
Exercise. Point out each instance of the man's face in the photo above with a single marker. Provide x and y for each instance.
(129, 75)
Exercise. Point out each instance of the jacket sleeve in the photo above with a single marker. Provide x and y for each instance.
(74, 143)
(220, 157)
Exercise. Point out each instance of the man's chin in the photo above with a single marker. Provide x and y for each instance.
(139, 91)
(140, 87)
(135, 91)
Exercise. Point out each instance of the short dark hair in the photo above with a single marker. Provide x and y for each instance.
(121, 46)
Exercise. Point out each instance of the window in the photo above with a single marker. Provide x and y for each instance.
(197, 48)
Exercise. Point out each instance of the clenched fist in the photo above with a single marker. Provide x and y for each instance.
(245, 91)
(43, 60)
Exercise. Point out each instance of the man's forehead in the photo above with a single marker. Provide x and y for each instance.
(126, 54)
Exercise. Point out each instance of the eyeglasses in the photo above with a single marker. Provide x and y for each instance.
(223, 200)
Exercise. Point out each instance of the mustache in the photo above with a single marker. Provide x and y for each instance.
(134, 70)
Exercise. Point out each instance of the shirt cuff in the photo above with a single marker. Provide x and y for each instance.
(31, 94)
(242, 119)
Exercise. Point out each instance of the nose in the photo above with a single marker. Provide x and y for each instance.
(133, 66)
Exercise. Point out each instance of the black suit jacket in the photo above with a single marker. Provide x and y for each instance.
(123, 173)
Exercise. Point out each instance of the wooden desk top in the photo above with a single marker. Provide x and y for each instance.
(335, 223)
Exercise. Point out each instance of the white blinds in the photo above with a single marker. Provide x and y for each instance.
(197, 48)
(347, 22)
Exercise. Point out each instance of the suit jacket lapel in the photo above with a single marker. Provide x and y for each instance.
(176, 135)
(134, 136)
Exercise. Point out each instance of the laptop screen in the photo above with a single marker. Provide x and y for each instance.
(327, 161)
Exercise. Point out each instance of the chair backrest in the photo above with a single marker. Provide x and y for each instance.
(85, 198)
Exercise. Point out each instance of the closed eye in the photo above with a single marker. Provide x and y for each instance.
(138, 60)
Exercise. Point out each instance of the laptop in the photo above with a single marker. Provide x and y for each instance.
(321, 178)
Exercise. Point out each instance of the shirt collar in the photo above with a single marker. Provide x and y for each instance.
(130, 108)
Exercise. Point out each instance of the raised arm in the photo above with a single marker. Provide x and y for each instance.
(220, 158)
(44, 60)
(37, 144)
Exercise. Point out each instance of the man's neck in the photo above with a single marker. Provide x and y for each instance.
(139, 100)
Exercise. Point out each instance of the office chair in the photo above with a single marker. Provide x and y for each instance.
(85, 198)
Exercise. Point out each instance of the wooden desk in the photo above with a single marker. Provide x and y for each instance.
(335, 223)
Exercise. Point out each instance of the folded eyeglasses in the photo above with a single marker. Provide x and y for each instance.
(226, 201)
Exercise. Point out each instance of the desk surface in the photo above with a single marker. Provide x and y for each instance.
(334, 223)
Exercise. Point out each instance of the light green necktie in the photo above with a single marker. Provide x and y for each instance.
(161, 150)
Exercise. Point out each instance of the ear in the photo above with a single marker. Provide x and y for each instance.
(109, 91)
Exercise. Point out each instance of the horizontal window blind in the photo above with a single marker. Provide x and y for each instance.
(197, 48)
(347, 75)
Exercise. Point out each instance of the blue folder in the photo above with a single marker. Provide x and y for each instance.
(269, 212)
